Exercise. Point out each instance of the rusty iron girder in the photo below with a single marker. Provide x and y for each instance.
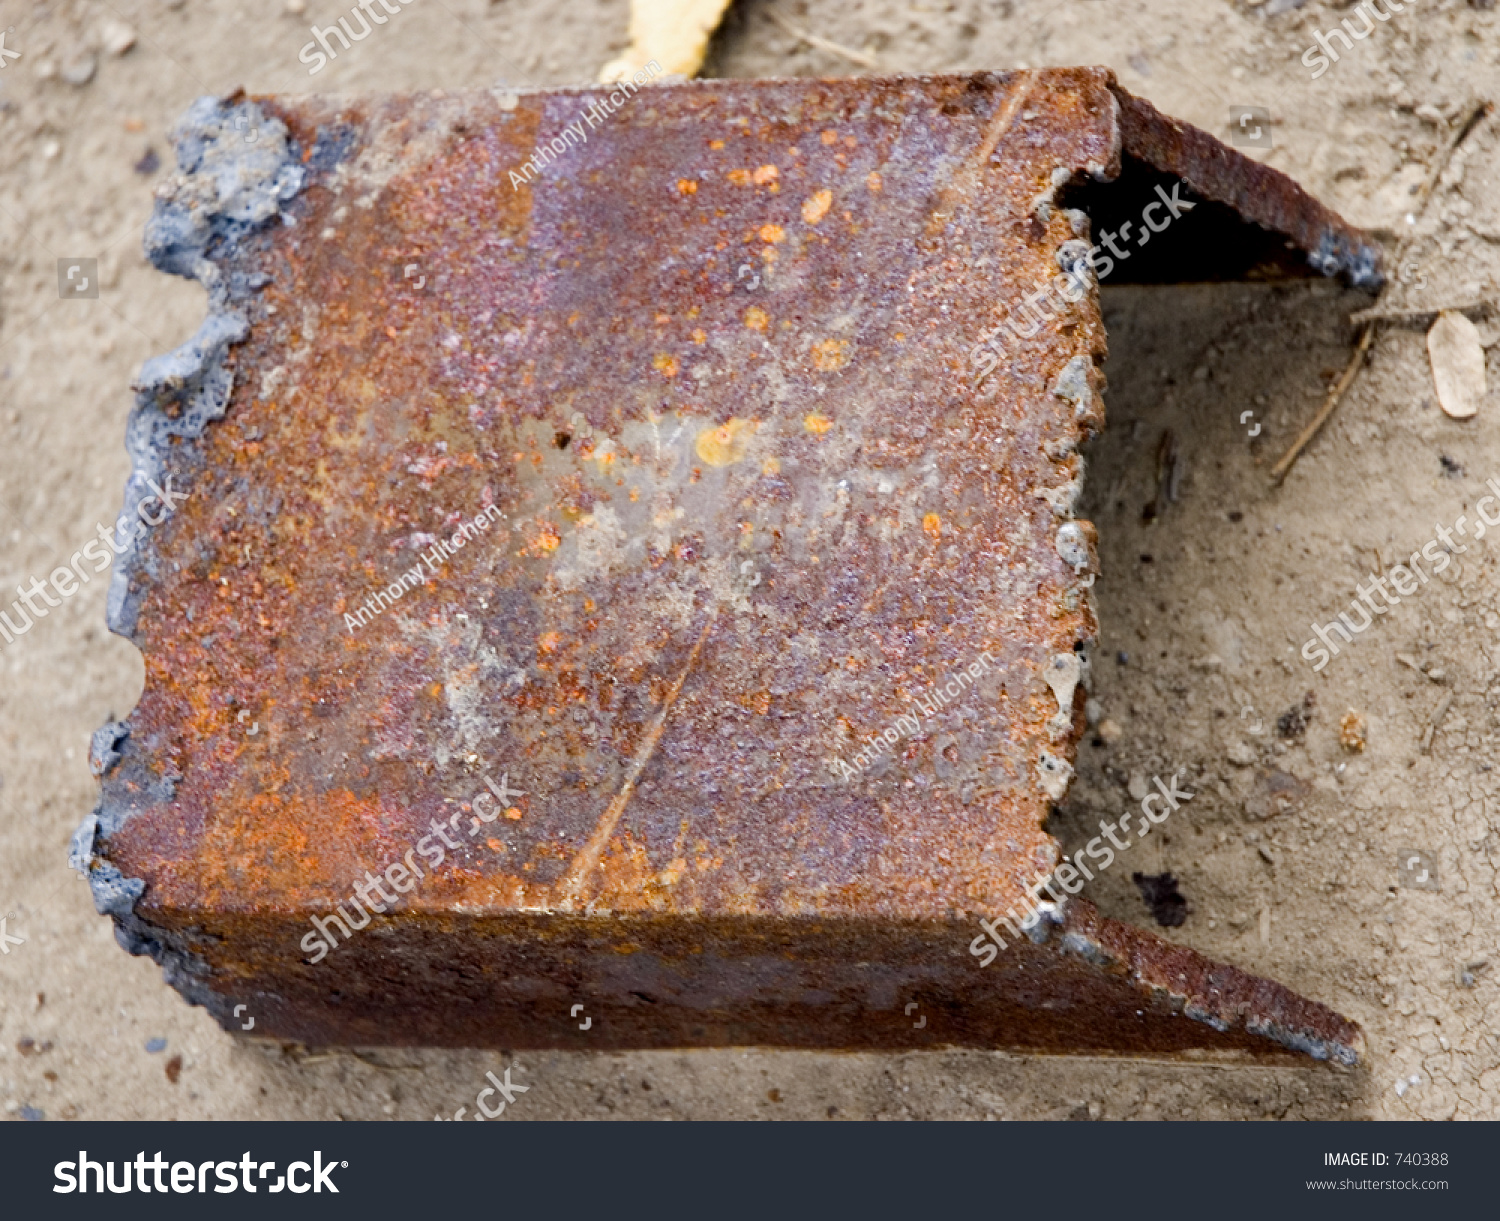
(663, 446)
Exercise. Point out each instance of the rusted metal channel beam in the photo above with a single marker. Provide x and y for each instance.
(561, 536)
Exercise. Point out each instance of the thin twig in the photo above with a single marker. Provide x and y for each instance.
(1420, 316)
(1476, 111)
(1437, 720)
(1278, 472)
(857, 58)
(1470, 120)
(365, 1058)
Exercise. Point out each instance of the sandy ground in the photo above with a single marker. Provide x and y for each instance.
(1204, 608)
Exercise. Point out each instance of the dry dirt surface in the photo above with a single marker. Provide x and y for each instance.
(1366, 879)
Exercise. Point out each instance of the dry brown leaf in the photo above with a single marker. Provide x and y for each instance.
(1457, 358)
(674, 33)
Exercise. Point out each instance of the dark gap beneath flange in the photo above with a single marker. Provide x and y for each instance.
(1208, 243)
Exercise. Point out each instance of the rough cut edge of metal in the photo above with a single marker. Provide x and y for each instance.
(223, 190)
(227, 190)
(1216, 994)
(1257, 192)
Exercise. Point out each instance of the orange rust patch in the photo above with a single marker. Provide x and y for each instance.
(766, 173)
(772, 233)
(815, 207)
(933, 524)
(665, 363)
(830, 354)
(758, 702)
(756, 318)
(686, 186)
(740, 178)
(726, 444)
(816, 423)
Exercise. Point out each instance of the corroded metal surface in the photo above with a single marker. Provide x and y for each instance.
(703, 380)
(1255, 192)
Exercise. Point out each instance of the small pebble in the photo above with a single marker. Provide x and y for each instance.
(296, 7)
(79, 70)
(1292, 723)
(115, 36)
(1352, 731)
(155, 1045)
(1109, 730)
(1241, 755)
(174, 1069)
(1122, 658)
(33, 1114)
(149, 163)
